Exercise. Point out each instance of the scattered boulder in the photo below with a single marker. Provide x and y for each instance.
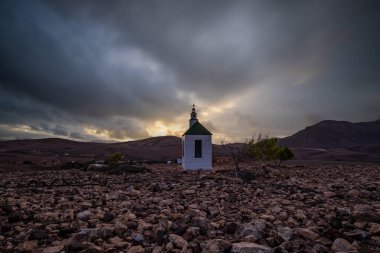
(27, 246)
(107, 217)
(168, 210)
(249, 247)
(307, 233)
(374, 228)
(84, 215)
(342, 245)
(286, 233)
(54, 249)
(178, 241)
(215, 246)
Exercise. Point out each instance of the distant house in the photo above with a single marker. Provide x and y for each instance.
(196, 145)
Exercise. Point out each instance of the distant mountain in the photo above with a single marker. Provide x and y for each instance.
(155, 148)
(326, 140)
(331, 140)
(330, 134)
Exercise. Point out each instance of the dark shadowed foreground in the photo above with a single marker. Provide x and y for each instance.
(325, 208)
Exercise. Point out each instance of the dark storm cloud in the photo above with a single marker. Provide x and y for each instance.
(117, 66)
(64, 64)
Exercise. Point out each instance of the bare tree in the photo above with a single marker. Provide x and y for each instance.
(239, 151)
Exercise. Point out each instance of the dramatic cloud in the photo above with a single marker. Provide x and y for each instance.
(122, 70)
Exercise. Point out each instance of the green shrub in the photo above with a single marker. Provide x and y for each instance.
(114, 158)
(269, 150)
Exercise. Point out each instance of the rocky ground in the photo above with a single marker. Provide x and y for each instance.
(326, 208)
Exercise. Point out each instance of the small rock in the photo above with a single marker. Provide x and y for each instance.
(249, 247)
(341, 245)
(188, 192)
(267, 217)
(324, 241)
(276, 209)
(27, 245)
(285, 233)
(116, 240)
(136, 249)
(178, 241)
(132, 224)
(201, 222)
(364, 213)
(360, 224)
(84, 215)
(300, 215)
(374, 228)
(142, 226)
(215, 246)
(354, 193)
(108, 217)
(105, 232)
(197, 213)
(329, 194)
(87, 234)
(169, 246)
(357, 234)
(231, 227)
(157, 249)
(54, 249)
(137, 237)
(307, 233)
(376, 240)
(250, 238)
(192, 232)
(255, 230)
(90, 247)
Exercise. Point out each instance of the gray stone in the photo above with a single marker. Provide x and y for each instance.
(84, 215)
(285, 233)
(137, 237)
(249, 247)
(215, 246)
(178, 241)
(307, 233)
(27, 245)
(341, 245)
(54, 249)
(201, 222)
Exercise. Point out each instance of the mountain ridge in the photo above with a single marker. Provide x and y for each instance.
(325, 140)
(330, 134)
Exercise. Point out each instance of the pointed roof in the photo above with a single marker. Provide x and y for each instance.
(197, 129)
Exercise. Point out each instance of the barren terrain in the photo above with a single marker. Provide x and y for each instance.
(312, 208)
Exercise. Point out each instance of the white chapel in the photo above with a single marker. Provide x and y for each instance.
(196, 145)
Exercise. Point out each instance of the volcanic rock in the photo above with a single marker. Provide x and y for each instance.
(178, 241)
(307, 233)
(27, 246)
(341, 245)
(215, 246)
(249, 247)
(54, 249)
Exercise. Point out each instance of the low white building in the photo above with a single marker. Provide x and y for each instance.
(196, 145)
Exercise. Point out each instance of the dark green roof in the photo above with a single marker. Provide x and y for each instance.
(197, 129)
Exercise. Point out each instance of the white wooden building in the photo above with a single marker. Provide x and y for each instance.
(196, 145)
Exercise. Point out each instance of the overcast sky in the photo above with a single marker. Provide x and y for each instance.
(125, 70)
